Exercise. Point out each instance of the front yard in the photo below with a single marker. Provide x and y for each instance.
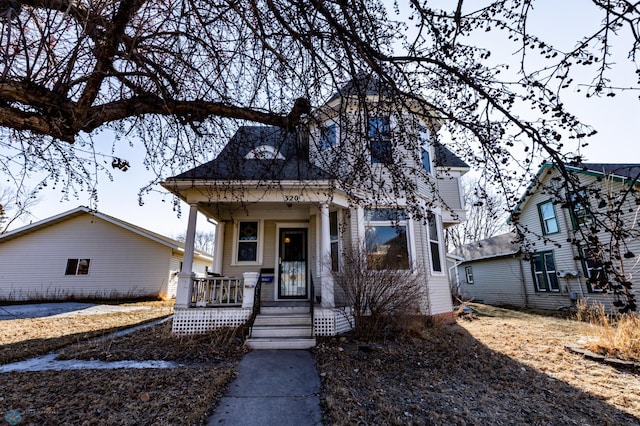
(504, 367)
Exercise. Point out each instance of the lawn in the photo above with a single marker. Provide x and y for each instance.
(503, 367)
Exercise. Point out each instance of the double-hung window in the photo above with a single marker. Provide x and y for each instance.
(434, 242)
(386, 239)
(77, 267)
(580, 213)
(543, 267)
(248, 241)
(328, 136)
(380, 140)
(594, 271)
(468, 272)
(548, 218)
(424, 150)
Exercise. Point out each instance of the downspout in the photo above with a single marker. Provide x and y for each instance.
(571, 231)
(522, 280)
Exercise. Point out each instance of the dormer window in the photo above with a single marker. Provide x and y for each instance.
(264, 152)
(380, 139)
(328, 136)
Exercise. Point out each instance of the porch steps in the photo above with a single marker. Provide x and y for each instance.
(282, 328)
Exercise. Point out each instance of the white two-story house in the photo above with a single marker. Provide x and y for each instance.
(361, 172)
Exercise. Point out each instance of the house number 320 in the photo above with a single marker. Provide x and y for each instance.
(291, 198)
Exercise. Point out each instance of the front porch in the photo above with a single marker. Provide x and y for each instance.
(219, 302)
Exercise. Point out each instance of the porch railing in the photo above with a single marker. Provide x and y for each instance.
(216, 291)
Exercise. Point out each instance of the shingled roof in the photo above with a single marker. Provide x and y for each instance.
(497, 246)
(234, 163)
(446, 158)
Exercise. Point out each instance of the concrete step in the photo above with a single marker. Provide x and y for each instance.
(289, 319)
(281, 343)
(277, 310)
(281, 331)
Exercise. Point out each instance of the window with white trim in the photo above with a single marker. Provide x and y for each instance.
(77, 267)
(328, 136)
(594, 270)
(380, 140)
(425, 155)
(335, 246)
(386, 239)
(248, 241)
(543, 267)
(434, 242)
(548, 218)
(469, 274)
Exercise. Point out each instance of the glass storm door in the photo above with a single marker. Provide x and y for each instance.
(292, 273)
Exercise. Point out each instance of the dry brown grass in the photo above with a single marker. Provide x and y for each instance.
(25, 338)
(505, 367)
(179, 396)
(616, 336)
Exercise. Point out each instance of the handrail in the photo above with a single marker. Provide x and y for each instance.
(312, 297)
(256, 301)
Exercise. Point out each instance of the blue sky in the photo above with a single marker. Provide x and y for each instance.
(615, 118)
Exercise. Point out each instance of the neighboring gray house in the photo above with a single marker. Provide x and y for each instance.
(285, 216)
(491, 271)
(86, 254)
(555, 264)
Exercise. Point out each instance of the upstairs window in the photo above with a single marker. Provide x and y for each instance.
(77, 267)
(580, 213)
(328, 136)
(426, 160)
(548, 218)
(424, 150)
(380, 140)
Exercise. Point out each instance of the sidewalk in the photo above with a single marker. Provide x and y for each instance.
(273, 387)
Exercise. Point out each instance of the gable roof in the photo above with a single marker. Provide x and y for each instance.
(363, 85)
(621, 172)
(234, 163)
(497, 246)
(82, 210)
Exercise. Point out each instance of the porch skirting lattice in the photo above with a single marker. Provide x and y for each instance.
(326, 321)
(330, 322)
(201, 320)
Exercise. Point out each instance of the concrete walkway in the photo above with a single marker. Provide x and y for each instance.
(273, 387)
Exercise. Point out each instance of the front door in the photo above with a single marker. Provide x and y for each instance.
(292, 271)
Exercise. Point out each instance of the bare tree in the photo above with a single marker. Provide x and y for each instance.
(14, 205)
(204, 241)
(178, 76)
(487, 213)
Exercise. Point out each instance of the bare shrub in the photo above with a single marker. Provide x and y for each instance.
(613, 335)
(382, 300)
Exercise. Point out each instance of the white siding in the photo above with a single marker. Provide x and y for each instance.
(122, 262)
(565, 254)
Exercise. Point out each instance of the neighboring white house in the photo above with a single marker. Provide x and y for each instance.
(288, 204)
(86, 254)
(556, 262)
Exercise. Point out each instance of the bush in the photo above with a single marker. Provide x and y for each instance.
(382, 302)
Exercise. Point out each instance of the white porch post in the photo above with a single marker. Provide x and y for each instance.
(217, 253)
(185, 277)
(327, 294)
